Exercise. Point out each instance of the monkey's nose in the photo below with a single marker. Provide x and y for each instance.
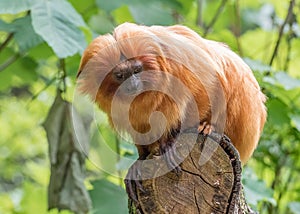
(134, 84)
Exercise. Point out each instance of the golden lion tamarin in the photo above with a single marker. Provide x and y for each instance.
(140, 70)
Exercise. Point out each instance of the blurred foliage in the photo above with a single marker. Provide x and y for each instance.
(40, 47)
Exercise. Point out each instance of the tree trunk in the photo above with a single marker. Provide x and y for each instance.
(209, 181)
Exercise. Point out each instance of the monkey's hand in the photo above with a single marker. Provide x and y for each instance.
(133, 183)
(205, 128)
(167, 149)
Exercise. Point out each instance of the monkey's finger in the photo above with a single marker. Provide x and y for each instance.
(131, 190)
(206, 128)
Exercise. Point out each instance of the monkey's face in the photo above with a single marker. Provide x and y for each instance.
(134, 77)
(127, 74)
(134, 87)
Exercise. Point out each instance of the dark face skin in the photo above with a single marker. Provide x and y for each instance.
(127, 74)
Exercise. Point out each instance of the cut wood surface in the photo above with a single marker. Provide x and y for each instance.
(209, 181)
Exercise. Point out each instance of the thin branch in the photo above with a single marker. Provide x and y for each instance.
(215, 18)
(288, 55)
(43, 89)
(288, 17)
(10, 61)
(289, 40)
(62, 74)
(6, 41)
(237, 29)
(199, 20)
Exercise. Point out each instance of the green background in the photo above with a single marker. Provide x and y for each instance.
(40, 45)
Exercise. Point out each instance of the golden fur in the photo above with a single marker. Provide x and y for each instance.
(221, 84)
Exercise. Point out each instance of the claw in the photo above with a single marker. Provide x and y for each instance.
(131, 190)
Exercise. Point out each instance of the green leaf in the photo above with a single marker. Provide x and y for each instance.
(177, 4)
(225, 36)
(6, 27)
(110, 5)
(258, 50)
(21, 72)
(25, 35)
(256, 191)
(277, 112)
(101, 24)
(88, 34)
(257, 65)
(151, 13)
(27, 70)
(142, 12)
(58, 23)
(108, 198)
(86, 8)
(41, 51)
(72, 65)
(296, 121)
(287, 81)
(122, 15)
(294, 207)
(16, 6)
(186, 5)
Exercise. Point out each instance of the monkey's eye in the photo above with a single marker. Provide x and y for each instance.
(137, 69)
(119, 76)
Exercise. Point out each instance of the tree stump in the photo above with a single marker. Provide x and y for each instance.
(209, 181)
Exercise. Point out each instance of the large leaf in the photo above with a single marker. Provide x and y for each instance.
(16, 6)
(58, 23)
(24, 34)
(108, 198)
(6, 26)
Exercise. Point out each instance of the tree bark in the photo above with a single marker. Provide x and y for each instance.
(209, 181)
